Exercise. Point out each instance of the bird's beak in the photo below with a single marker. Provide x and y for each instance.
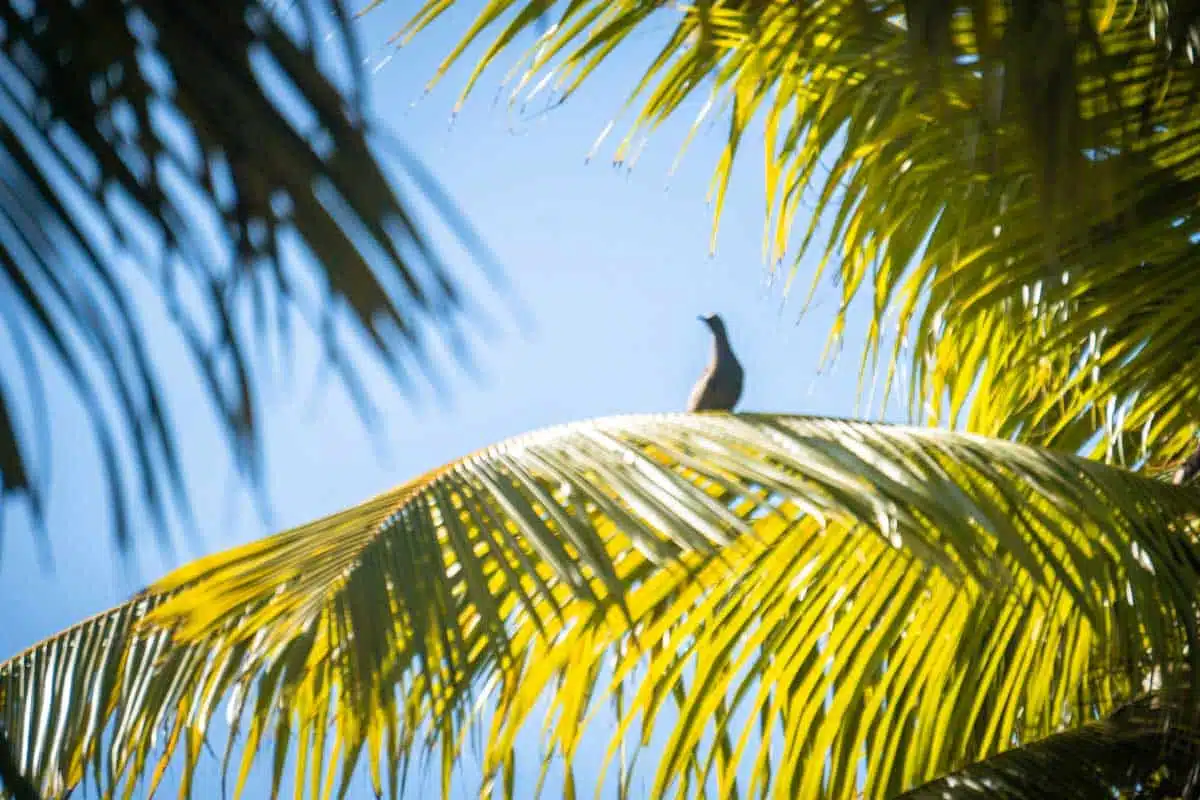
(702, 318)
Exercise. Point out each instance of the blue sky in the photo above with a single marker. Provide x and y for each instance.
(610, 267)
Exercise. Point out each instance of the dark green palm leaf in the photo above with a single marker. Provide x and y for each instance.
(1142, 751)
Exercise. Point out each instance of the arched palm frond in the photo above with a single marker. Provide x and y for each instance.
(761, 600)
(201, 163)
(1141, 751)
(1007, 182)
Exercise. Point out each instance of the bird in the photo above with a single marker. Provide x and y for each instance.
(720, 387)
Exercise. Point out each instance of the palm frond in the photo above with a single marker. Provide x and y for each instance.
(205, 157)
(1007, 182)
(1142, 751)
(915, 598)
(12, 780)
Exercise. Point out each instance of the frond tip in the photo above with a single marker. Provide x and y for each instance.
(908, 598)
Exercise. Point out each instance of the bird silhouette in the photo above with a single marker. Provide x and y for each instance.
(720, 387)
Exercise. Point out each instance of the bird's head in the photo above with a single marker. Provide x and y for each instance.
(714, 323)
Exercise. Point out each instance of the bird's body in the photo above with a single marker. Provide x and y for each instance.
(720, 387)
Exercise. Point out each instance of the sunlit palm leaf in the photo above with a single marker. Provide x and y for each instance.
(976, 164)
(842, 590)
(201, 156)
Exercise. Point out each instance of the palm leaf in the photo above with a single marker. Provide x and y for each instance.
(844, 590)
(202, 157)
(11, 779)
(1142, 751)
(1007, 182)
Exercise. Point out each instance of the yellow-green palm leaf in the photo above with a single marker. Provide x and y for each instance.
(1011, 185)
(766, 594)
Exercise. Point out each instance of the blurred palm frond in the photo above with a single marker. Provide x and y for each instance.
(206, 169)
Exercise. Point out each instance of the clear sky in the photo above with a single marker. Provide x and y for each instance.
(611, 268)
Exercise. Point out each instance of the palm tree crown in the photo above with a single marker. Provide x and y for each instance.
(771, 605)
